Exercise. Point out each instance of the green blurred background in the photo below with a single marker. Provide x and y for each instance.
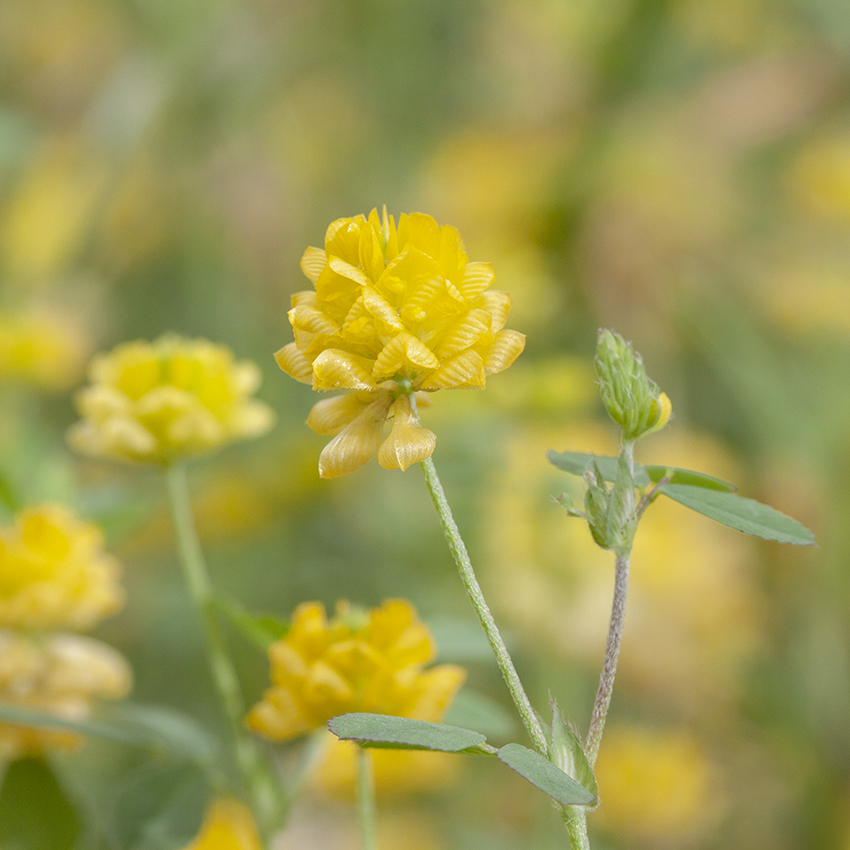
(678, 170)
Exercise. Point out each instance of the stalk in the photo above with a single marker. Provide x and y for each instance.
(253, 772)
(473, 590)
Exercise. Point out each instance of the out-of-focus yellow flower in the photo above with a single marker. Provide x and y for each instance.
(163, 401)
(820, 178)
(42, 349)
(655, 786)
(357, 661)
(395, 310)
(46, 219)
(54, 572)
(60, 674)
(228, 825)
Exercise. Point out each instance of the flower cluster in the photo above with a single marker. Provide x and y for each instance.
(228, 825)
(41, 349)
(162, 401)
(54, 572)
(357, 661)
(59, 674)
(395, 310)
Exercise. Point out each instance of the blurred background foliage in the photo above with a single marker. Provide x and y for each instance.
(676, 169)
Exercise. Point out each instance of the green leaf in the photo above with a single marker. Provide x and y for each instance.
(688, 476)
(546, 776)
(404, 733)
(577, 463)
(261, 631)
(35, 812)
(147, 727)
(739, 513)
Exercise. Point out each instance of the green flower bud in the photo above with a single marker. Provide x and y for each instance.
(632, 400)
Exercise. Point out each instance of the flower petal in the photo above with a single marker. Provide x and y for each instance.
(341, 267)
(333, 414)
(357, 443)
(507, 346)
(476, 278)
(312, 263)
(404, 353)
(408, 442)
(464, 370)
(497, 304)
(336, 369)
(464, 333)
(381, 309)
(294, 363)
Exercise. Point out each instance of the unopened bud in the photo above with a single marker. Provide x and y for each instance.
(632, 400)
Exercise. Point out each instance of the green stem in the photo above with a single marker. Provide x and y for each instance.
(366, 799)
(253, 771)
(575, 819)
(473, 589)
(612, 652)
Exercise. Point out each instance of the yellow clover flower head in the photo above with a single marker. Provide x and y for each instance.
(54, 572)
(60, 674)
(42, 349)
(162, 401)
(228, 825)
(357, 661)
(396, 310)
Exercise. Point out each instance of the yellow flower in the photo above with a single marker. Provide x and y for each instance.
(228, 825)
(358, 661)
(162, 401)
(395, 310)
(42, 349)
(656, 787)
(60, 674)
(54, 572)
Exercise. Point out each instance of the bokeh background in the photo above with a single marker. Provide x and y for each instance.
(678, 170)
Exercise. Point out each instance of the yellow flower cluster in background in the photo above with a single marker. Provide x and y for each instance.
(357, 661)
(54, 572)
(41, 349)
(163, 401)
(59, 674)
(396, 309)
(228, 825)
(657, 786)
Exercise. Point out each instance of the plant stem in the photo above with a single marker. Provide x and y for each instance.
(575, 819)
(473, 589)
(612, 651)
(366, 798)
(248, 759)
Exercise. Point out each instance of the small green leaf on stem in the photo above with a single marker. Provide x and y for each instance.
(674, 475)
(568, 754)
(577, 463)
(404, 733)
(742, 514)
(549, 778)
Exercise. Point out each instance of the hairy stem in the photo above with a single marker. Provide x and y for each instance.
(473, 589)
(612, 651)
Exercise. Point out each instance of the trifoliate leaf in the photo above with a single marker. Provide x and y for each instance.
(742, 514)
(404, 733)
(577, 463)
(687, 476)
(549, 778)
